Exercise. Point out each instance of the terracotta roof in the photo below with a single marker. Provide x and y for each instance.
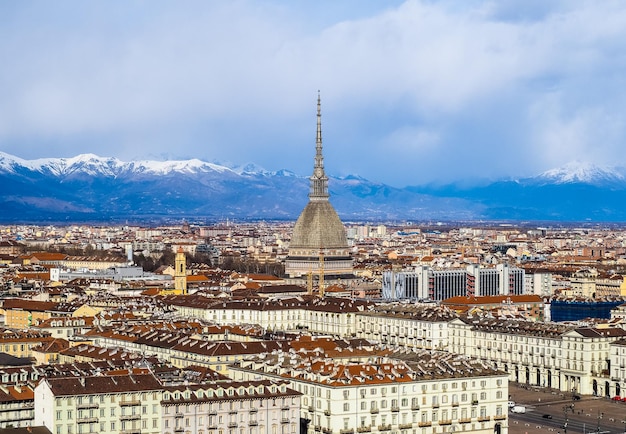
(29, 305)
(71, 386)
(48, 256)
(493, 299)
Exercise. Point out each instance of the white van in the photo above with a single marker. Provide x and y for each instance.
(518, 409)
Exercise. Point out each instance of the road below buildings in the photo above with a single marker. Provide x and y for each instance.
(552, 411)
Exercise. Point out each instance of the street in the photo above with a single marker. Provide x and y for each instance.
(563, 414)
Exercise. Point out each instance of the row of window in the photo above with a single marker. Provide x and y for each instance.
(104, 427)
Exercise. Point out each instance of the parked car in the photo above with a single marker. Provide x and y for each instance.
(547, 416)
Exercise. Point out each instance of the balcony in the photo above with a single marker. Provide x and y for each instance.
(134, 431)
(384, 427)
(214, 413)
(415, 407)
(179, 415)
(253, 423)
(311, 409)
(133, 416)
(455, 404)
(484, 419)
(346, 431)
(317, 428)
(445, 422)
(436, 405)
(87, 406)
(254, 410)
(395, 409)
(362, 429)
(405, 426)
(466, 420)
(326, 412)
(374, 410)
(87, 420)
(424, 424)
(284, 420)
(129, 402)
(327, 431)
(179, 429)
(500, 417)
(232, 424)
(474, 402)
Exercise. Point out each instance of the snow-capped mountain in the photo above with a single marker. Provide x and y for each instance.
(94, 165)
(582, 172)
(93, 188)
(89, 187)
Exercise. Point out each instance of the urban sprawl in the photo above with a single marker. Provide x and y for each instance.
(209, 335)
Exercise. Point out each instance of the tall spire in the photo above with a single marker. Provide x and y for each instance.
(319, 181)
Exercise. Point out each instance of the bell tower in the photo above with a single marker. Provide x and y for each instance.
(180, 272)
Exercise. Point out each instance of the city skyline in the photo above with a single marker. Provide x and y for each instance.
(412, 92)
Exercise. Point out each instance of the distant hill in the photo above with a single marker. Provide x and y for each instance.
(89, 188)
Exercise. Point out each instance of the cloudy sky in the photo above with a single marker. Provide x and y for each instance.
(412, 91)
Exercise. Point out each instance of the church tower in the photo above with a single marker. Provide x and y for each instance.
(319, 245)
(180, 273)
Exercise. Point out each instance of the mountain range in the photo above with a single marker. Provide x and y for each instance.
(89, 188)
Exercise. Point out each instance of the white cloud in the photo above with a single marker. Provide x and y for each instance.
(237, 80)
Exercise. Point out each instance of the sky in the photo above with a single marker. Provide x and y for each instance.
(413, 92)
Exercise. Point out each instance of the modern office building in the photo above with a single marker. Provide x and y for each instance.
(427, 283)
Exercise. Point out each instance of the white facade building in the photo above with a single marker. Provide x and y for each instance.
(254, 407)
(572, 359)
(426, 393)
(127, 403)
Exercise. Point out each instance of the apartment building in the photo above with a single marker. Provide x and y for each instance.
(538, 283)
(182, 348)
(17, 408)
(566, 357)
(253, 407)
(20, 313)
(424, 392)
(20, 343)
(127, 402)
(617, 374)
(407, 325)
(334, 316)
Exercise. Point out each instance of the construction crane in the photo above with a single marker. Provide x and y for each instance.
(321, 271)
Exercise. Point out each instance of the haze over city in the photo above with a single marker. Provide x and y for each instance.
(412, 92)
